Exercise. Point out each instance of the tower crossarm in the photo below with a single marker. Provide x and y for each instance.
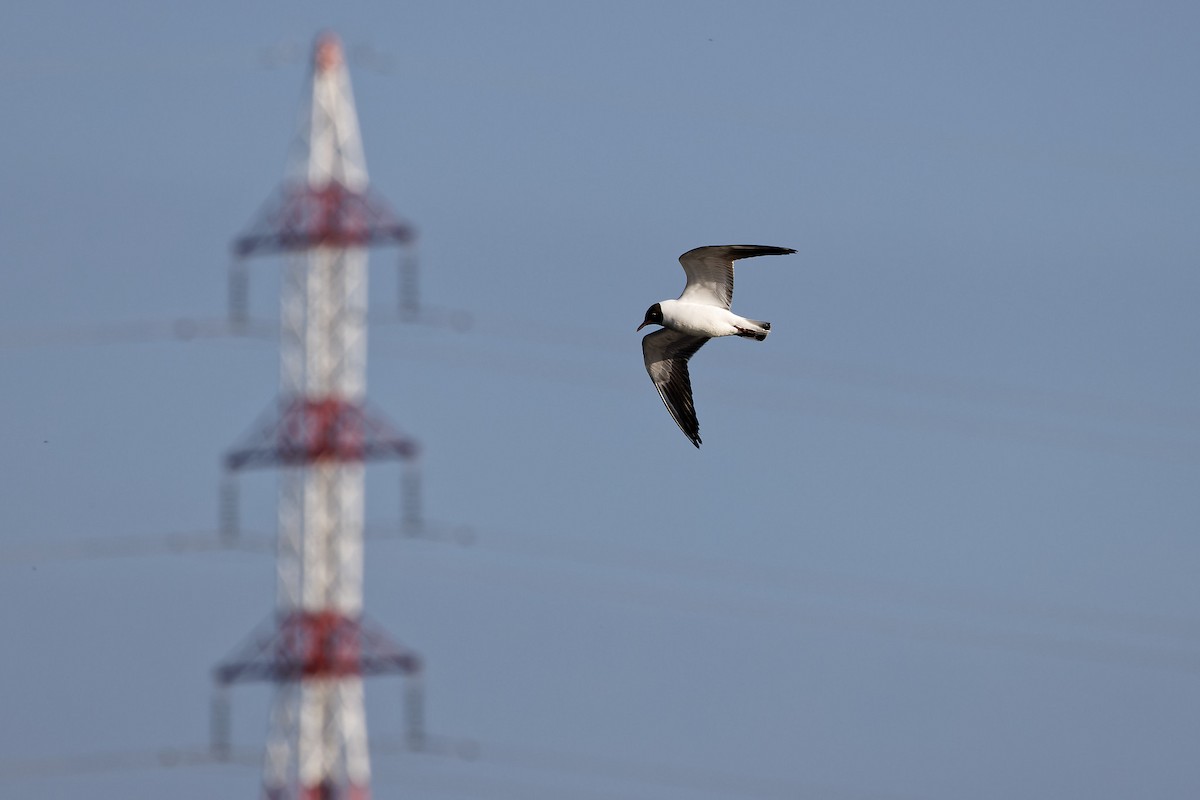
(306, 430)
(301, 216)
(316, 644)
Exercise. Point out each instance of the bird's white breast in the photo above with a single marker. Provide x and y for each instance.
(699, 320)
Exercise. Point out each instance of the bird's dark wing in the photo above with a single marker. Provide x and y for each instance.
(666, 353)
(710, 271)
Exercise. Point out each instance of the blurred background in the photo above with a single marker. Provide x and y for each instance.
(940, 541)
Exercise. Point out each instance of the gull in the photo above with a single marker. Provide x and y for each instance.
(699, 314)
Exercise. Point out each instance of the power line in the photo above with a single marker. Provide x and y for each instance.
(205, 541)
(655, 562)
(468, 751)
(186, 329)
(958, 388)
(130, 545)
(745, 606)
(119, 761)
(746, 582)
(711, 571)
(180, 329)
(1073, 434)
(792, 401)
(705, 781)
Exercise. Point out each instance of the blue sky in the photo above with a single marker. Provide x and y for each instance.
(939, 542)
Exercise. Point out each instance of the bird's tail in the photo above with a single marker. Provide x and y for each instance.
(757, 332)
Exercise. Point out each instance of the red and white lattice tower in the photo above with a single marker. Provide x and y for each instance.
(318, 646)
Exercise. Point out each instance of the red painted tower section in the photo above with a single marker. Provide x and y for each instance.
(318, 646)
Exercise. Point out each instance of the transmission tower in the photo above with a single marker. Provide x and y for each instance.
(318, 646)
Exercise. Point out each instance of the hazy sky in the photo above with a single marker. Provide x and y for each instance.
(940, 541)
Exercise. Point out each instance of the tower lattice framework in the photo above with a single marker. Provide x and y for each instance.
(318, 646)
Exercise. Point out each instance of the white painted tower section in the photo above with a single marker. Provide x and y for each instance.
(318, 733)
(318, 646)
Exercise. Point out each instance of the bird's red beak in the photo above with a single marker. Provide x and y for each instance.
(644, 324)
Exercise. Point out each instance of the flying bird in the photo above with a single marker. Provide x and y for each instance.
(699, 314)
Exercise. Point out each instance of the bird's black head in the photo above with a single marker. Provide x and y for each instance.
(653, 316)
